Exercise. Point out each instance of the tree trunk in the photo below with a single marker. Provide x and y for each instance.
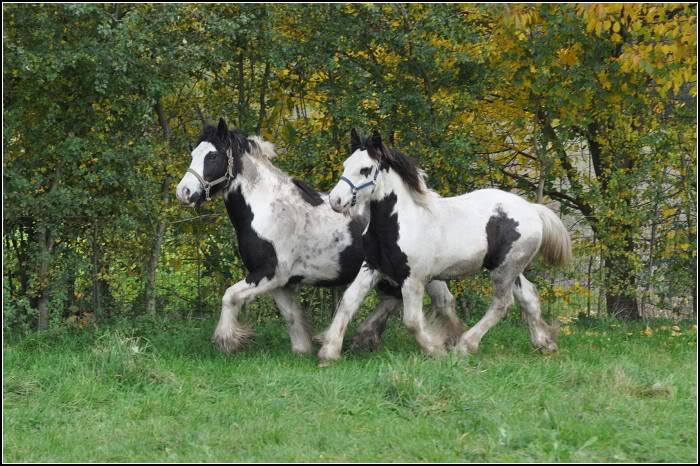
(150, 290)
(620, 295)
(241, 90)
(46, 242)
(153, 267)
(263, 90)
(96, 301)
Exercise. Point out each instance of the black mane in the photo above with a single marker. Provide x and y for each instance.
(238, 141)
(402, 164)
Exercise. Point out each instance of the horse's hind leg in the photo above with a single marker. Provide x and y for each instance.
(542, 336)
(369, 334)
(501, 301)
(286, 301)
(444, 320)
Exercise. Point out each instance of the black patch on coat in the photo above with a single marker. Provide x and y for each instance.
(351, 257)
(258, 254)
(386, 288)
(307, 193)
(295, 279)
(380, 241)
(216, 162)
(366, 171)
(501, 233)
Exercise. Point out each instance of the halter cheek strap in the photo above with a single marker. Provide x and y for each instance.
(355, 189)
(210, 184)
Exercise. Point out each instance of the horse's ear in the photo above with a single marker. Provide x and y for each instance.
(376, 139)
(222, 130)
(355, 140)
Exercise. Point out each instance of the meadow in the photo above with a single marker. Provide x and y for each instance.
(157, 390)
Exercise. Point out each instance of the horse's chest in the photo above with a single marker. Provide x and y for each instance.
(258, 254)
(380, 242)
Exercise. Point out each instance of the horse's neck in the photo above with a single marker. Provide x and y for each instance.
(255, 182)
(406, 206)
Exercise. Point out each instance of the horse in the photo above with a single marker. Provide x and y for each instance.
(415, 235)
(288, 235)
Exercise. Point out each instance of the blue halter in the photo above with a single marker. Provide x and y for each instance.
(355, 189)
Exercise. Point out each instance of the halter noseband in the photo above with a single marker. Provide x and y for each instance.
(229, 175)
(355, 189)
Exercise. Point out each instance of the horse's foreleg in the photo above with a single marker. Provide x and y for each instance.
(349, 303)
(286, 301)
(230, 335)
(414, 319)
(369, 334)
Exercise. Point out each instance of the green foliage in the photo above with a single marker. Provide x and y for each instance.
(101, 102)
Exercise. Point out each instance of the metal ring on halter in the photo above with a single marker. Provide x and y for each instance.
(227, 176)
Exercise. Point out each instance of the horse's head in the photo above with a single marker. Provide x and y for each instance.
(360, 172)
(373, 171)
(214, 164)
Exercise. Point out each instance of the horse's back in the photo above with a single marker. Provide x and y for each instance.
(471, 223)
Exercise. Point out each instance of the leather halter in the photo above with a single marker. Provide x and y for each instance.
(229, 175)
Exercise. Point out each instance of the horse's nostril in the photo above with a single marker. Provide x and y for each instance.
(186, 193)
(195, 199)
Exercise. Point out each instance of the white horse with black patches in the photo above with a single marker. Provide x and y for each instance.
(287, 235)
(415, 236)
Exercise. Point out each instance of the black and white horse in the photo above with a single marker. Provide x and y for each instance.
(287, 235)
(415, 236)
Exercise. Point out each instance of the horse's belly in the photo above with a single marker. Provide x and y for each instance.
(461, 269)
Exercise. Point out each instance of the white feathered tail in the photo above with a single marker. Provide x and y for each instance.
(556, 242)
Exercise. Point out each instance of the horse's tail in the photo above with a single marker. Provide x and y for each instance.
(556, 243)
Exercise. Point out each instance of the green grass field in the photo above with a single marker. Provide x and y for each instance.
(159, 391)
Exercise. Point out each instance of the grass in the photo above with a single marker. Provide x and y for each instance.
(158, 391)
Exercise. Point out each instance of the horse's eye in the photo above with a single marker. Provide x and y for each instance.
(365, 171)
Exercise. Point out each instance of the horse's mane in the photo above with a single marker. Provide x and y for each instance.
(254, 145)
(266, 148)
(405, 167)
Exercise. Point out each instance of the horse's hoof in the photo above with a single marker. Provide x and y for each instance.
(233, 340)
(366, 343)
(551, 348)
(327, 355)
(302, 351)
(464, 349)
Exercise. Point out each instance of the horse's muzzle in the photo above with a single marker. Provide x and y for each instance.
(196, 200)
